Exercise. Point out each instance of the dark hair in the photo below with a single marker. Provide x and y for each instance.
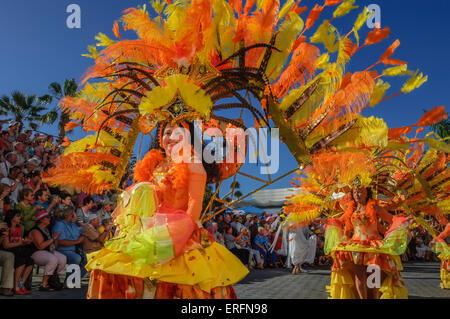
(369, 194)
(64, 195)
(33, 174)
(212, 170)
(15, 168)
(87, 200)
(10, 214)
(24, 192)
(39, 193)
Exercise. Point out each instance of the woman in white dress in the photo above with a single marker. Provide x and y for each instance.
(302, 248)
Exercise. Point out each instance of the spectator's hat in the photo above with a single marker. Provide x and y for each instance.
(260, 229)
(107, 202)
(33, 161)
(92, 217)
(41, 214)
(12, 123)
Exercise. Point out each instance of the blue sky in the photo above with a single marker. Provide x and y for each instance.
(38, 48)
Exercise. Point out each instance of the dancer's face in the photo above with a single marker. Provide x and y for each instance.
(171, 136)
(360, 195)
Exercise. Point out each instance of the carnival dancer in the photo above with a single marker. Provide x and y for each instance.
(161, 250)
(364, 247)
(441, 246)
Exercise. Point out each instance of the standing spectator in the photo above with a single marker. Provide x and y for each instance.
(84, 211)
(20, 247)
(5, 203)
(45, 253)
(13, 131)
(30, 166)
(21, 153)
(7, 263)
(243, 240)
(253, 228)
(34, 181)
(27, 210)
(5, 144)
(262, 245)
(6, 166)
(105, 211)
(94, 240)
(13, 182)
(69, 239)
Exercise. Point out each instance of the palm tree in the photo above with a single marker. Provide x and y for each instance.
(58, 92)
(237, 192)
(26, 109)
(442, 129)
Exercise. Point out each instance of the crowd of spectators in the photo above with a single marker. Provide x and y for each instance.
(250, 236)
(43, 226)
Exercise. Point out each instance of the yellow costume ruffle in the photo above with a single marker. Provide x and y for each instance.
(205, 268)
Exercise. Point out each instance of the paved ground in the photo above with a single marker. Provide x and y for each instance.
(422, 281)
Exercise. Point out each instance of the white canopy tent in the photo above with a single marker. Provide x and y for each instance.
(269, 200)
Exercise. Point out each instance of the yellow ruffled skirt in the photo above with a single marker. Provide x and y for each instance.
(162, 254)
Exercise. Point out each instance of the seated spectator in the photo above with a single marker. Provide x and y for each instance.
(27, 210)
(7, 264)
(230, 243)
(105, 225)
(97, 198)
(423, 251)
(248, 219)
(94, 240)
(42, 201)
(5, 203)
(70, 239)
(66, 200)
(44, 247)
(84, 211)
(20, 247)
(105, 211)
(10, 161)
(262, 245)
(237, 224)
(243, 240)
(217, 235)
(13, 182)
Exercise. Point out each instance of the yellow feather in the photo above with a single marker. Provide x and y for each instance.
(285, 9)
(414, 82)
(103, 40)
(344, 8)
(326, 34)
(290, 30)
(378, 92)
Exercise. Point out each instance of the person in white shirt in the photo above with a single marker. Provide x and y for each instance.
(21, 153)
(13, 182)
(11, 160)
